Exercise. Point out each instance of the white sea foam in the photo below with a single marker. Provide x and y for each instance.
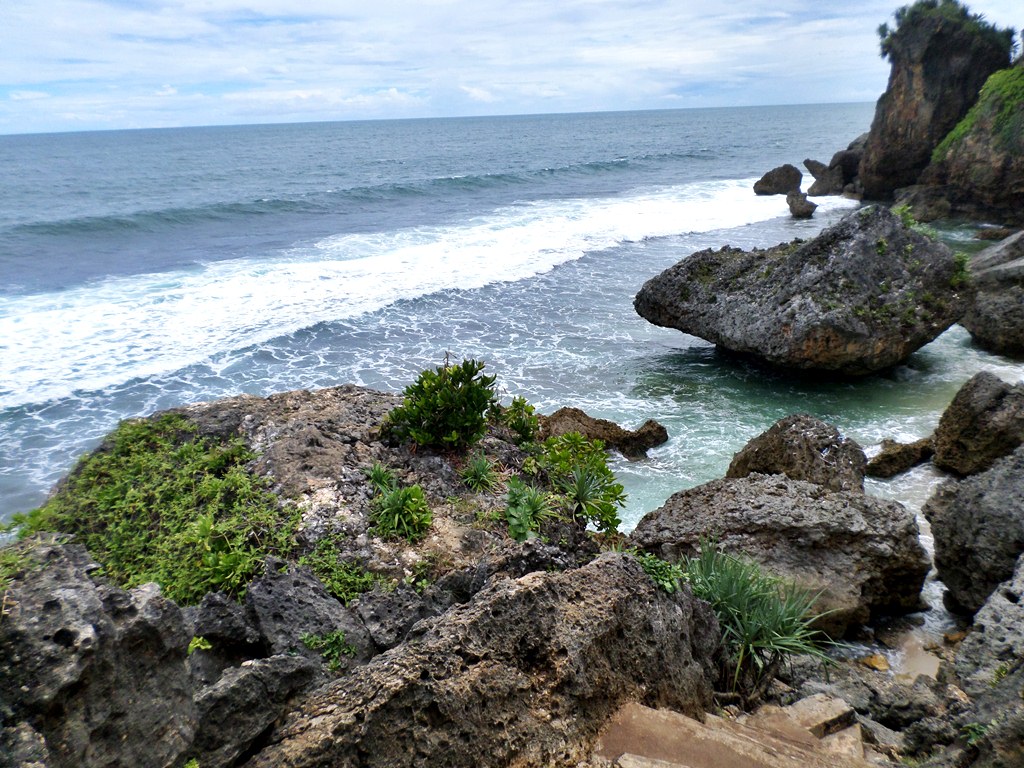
(121, 328)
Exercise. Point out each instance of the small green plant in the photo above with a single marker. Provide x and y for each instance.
(157, 502)
(961, 269)
(666, 575)
(446, 407)
(345, 580)
(973, 733)
(522, 420)
(763, 619)
(527, 508)
(479, 473)
(193, 763)
(332, 647)
(402, 513)
(381, 477)
(999, 674)
(882, 246)
(198, 643)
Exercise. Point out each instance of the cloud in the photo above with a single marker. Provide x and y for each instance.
(27, 95)
(109, 62)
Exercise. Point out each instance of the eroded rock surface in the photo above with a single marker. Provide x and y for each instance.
(984, 422)
(995, 313)
(802, 447)
(860, 552)
(632, 444)
(524, 674)
(861, 297)
(779, 181)
(894, 458)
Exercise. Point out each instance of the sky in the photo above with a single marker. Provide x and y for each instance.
(68, 65)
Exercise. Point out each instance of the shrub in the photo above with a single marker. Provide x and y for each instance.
(479, 474)
(402, 513)
(528, 507)
(445, 408)
(667, 576)
(950, 11)
(332, 647)
(345, 580)
(156, 502)
(763, 619)
(961, 270)
(520, 418)
(381, 477)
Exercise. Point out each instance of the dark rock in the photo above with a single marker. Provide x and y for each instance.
(526, 673)
(288, 605)
(938, 66)
(978, 526)
(984, 422)
(828, 179)
(632, 444)
(21, 746)
(388, 616)
(895, 458)
(802, 447)
(98, 672)
(995, 312)
(861, 553)
(239, 708)
(799, 206)
(861, 297)
(779, 181)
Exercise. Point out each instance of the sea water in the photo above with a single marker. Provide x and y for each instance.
(141, 270)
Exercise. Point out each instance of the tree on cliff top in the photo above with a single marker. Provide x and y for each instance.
(910, 16)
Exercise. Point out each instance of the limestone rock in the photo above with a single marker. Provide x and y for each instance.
(799, 206)
(938, 66)
(860, 552)
(895, 458)
(632, 444)
(802, 447)
(984, 422)
(779, 181)
(98, 672)
(526, 673)
(861, 297)
(995, 312)
(978, 526)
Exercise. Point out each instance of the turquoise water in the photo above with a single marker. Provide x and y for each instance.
(141, 270)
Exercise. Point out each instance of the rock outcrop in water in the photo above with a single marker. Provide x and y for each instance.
(941, 55)
(631, 443)
(779, 181)
(860, 552)
(861, 297)
(995, 311)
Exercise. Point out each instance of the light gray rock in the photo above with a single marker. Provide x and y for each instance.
(995, 313)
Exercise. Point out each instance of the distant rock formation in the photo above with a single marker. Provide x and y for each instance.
(799, 206)
(861, 297)
(995, 312)
(941, 56)
(632, 444)
(840, 175)
(779, 181)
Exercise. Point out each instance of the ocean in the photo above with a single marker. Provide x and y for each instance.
(141, 270)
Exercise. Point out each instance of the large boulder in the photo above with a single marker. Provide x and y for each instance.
(98, 672)
(978, 526)
(526, 673)
(802, 447)
(861, 297)
(861, 553)
(631, 443)
(940, 57)
(984, 422)
(779, 181)
(799, 206)
(979, 167)
(995, 313)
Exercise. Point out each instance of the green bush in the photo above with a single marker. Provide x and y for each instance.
(578, 469)
(763, 619)
(402, 513)
(345, 580)
(521, 419)
(666, 575)
(156, 502)
(527, 508)
(479, 474)
(381, 477)
(950, 11)
(445, 408)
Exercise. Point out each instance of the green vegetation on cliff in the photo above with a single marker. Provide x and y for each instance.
(911, 16)
(157, 502)
(1001, 102)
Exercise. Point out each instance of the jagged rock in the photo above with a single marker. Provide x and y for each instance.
(239, 708)
(98, 672)
(526, 673)
(995, 312)
(984, 422)
(779, 181)
(21, 746)
(895, 458)
(287, 605)
(632, 444)
(802, 447)
(799, 206)
(828, 179)
(938, 65)
(861, 553)
(861, 297)
(978, 527)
